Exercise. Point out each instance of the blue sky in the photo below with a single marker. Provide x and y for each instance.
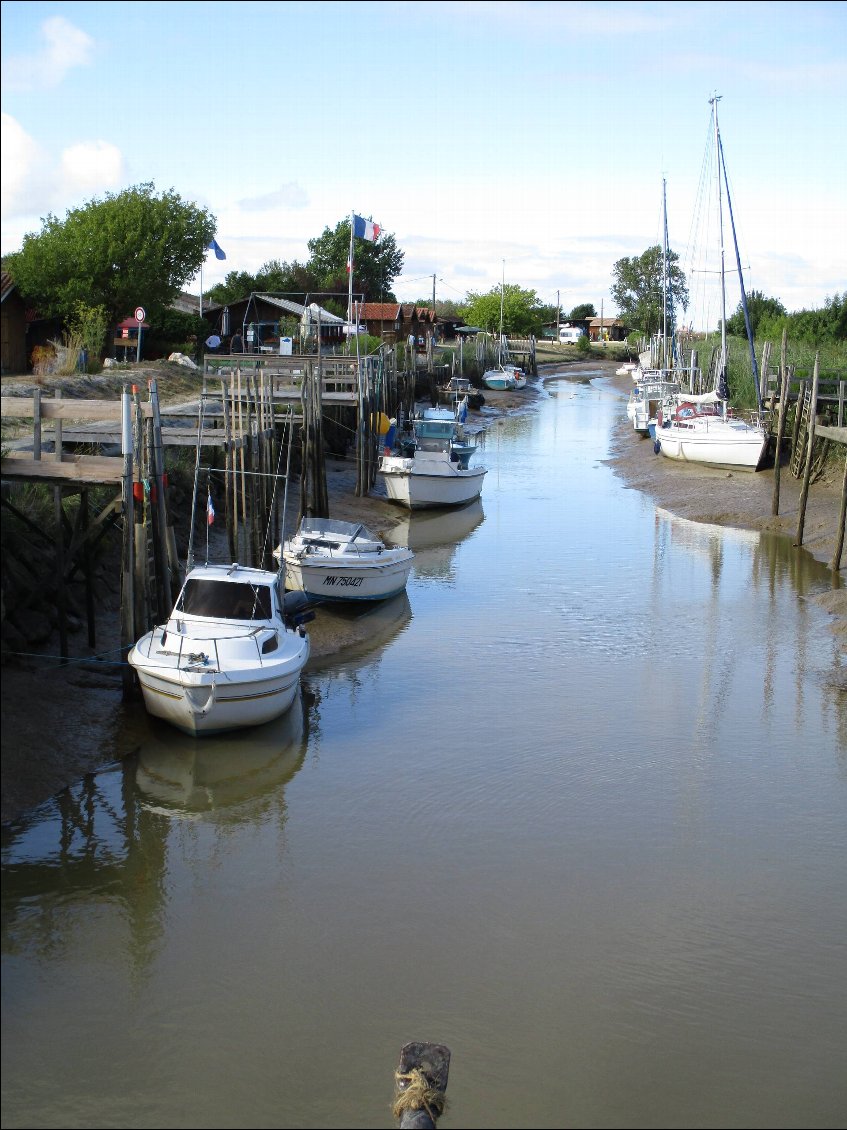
(529, 139)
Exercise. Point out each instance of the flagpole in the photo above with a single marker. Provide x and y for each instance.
(350, 282)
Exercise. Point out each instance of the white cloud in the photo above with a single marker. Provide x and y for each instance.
(25, 184)
(64, 47)
(90, 166)
(290, 195)
(34, 182)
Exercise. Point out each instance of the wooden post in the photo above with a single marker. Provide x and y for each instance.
(420, 1085)
(241, 457)
(127, 547)
(835, 564)
(86, 561)
(57, 432)
(230, 504)
(164, 595)
(807, 473)
(780, 427)
(36, 424)
(61, 605)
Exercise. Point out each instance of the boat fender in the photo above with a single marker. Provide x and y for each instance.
(657, 447)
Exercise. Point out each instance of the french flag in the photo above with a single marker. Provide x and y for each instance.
(210, 511)
(365, 229)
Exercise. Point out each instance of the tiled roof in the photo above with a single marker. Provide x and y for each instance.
(374, 311)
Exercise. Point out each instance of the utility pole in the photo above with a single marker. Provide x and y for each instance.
(558, 309)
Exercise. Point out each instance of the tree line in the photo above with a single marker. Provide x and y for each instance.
(92, 268)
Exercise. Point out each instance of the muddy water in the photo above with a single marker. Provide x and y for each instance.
(575, 809)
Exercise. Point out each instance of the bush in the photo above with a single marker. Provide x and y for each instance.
(87, 328)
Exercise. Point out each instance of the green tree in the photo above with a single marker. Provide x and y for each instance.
(375, 265)
(131, 248)
(582, 312)
(758, 307)
(274, 277)
(637, 288)
(523, 313)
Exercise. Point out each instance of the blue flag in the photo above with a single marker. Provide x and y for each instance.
(219, 253)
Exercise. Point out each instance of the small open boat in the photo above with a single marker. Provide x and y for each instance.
(333, 560)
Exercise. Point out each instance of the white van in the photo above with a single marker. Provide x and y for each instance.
(570, 336)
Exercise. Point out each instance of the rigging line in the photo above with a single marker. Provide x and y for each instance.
(272, 507)
(200, 417)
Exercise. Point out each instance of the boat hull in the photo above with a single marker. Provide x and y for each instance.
(205, 700)
(334, 581)
(498, 382)
(741, 447)
(420, 483)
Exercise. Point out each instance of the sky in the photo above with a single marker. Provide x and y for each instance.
(519, 141)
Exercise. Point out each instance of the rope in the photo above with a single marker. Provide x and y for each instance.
(68, 659)
(416, 1093)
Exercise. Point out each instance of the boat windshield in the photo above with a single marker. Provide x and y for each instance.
(225, 600)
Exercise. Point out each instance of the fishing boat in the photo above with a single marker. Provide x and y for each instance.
(430, 464)
(435, 427)
(230, 654)
(703, 428)
(329, 559)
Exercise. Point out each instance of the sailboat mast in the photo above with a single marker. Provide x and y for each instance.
(665, 275)
(500, 340)
(714, 102)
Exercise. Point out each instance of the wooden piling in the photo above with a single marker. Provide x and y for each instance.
(420, 1085)
(810, 443)
(780, 427)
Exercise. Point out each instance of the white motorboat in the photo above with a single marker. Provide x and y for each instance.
(654, 387)
(333, 560)
(430, 465)
(436, 428)
(429, 478)
(230, 654)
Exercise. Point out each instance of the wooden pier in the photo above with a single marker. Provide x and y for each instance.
(258, 425)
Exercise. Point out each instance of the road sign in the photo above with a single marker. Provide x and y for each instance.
(139, 314)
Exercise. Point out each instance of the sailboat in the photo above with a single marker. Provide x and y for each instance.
(656, 377)
(703, 428)
(502, 377)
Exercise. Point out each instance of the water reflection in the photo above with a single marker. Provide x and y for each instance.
(107, 840)
(180, 775)
(435, 535)
(742, 563)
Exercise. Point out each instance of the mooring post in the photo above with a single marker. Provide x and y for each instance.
(128, 611)
(420, 1085)
(780, 427)
(807, 473)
